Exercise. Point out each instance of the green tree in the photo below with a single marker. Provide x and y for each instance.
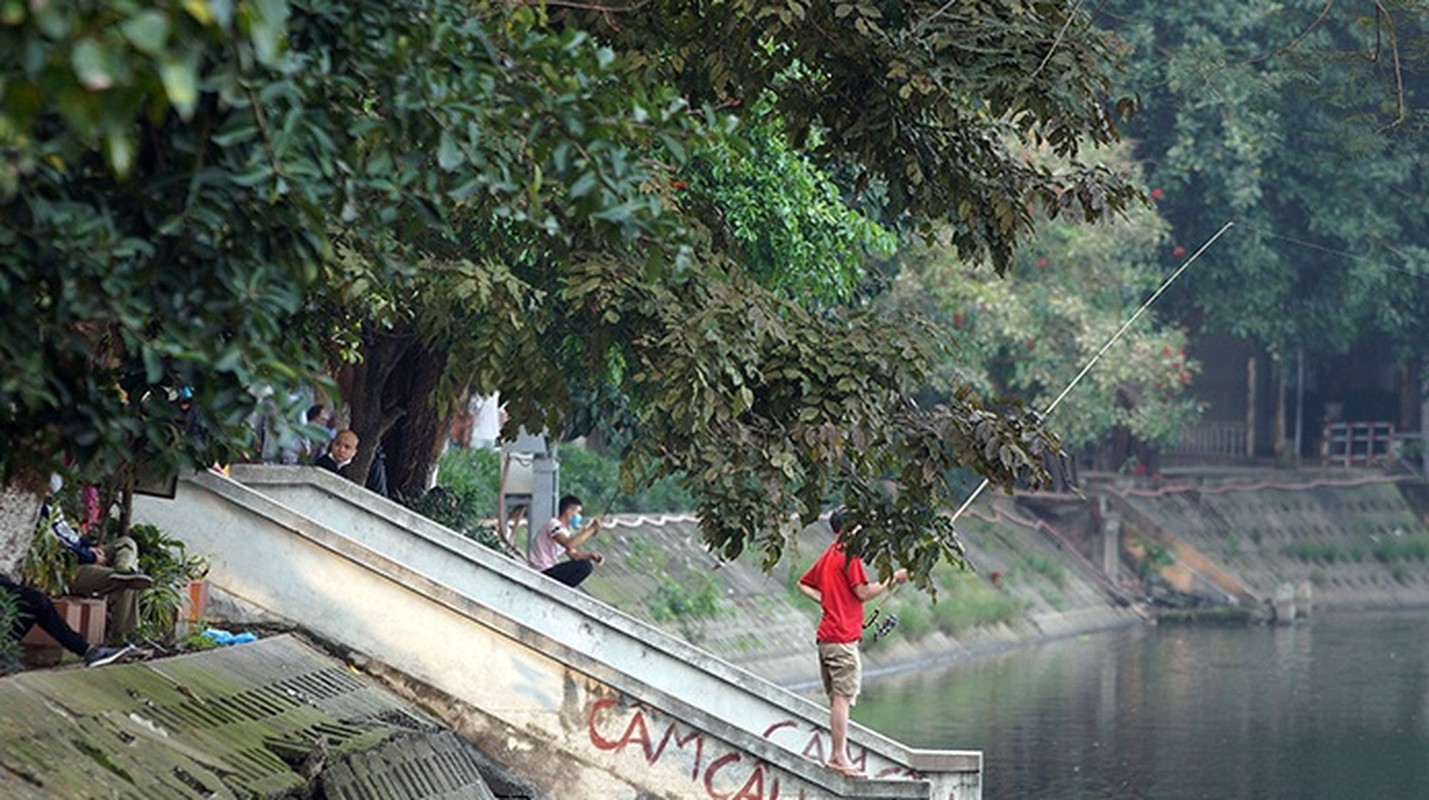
(1029, 333)
(1301, 121)
(917, 100)
(158, 228)
(224, 197)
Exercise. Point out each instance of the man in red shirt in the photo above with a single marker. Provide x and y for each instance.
(838, 583)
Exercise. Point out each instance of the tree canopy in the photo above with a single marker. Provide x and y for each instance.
(1030, 332)
(230, 198)
(1302, 122)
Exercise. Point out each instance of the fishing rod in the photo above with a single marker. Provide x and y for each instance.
(1166, 284)
(609, 504)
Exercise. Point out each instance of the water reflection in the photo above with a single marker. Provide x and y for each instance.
(1337, 709)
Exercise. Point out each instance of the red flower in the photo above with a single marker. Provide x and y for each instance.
(1042, 262)
(1156, 194)
(1031, 343)
(1178, 252)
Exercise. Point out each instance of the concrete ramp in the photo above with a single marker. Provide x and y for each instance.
(579, 699)
(272, 719)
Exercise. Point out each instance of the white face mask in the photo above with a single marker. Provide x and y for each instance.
(56, 483)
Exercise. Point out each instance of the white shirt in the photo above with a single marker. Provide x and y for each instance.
(545, 552)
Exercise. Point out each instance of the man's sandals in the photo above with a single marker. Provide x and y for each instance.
(846, 770)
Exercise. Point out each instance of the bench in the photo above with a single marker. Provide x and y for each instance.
(87, 615)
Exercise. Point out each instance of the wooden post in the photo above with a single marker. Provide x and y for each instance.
(1299, 403)
(1277, 436)
(1250, 407)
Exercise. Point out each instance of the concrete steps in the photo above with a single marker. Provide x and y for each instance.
(567, 691)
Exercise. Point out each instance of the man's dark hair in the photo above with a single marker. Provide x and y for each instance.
(566, 502)
(836, 520)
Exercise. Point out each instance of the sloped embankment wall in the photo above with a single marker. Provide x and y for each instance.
(1036, 578)
(1358, 541)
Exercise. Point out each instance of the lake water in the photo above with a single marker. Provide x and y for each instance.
(1337, 708)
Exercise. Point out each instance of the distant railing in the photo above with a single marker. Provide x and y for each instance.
(1218, 439)
(1351, 444)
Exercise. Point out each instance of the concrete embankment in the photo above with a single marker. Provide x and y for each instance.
(1038, 576)
(1049, 566)
(1334, 540)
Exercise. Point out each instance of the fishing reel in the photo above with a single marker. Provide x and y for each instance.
(886, 627)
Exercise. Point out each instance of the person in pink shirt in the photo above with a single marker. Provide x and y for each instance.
(838, 583)
(563, 534)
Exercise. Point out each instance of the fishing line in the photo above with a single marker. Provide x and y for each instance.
(1166, 284)
(1347, 255)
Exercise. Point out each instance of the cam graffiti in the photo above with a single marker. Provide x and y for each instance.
(724, 773)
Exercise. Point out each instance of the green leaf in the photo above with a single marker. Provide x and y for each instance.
(449, 156)
(583, 185)
(93, 65)
(119, 150)
(180, 79)
(148, 31)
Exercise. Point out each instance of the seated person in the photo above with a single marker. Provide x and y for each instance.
(545, 548)
(36, 609)
(110, 571)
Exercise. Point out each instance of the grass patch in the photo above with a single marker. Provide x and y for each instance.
(913, 623)
(1399, 549)
(1316, 552)
(1048, 567)
(1400, 573)
(1054, 598)
(968, 603)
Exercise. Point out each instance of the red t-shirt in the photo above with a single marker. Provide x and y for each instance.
(835, 575)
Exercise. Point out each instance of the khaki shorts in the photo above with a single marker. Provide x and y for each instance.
(841, 669)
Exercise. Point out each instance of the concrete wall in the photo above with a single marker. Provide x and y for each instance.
(580, 699)
(1356, 538)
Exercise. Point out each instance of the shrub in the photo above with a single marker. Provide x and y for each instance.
(167, 561)
(970, 604)
(913, 623)
(468, 480)
(1048, 567)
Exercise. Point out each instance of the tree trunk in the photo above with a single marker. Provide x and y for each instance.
(414, 442)
(391, 398)
(363, 386)
(20, 501)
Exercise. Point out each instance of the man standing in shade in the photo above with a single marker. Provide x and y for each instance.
(838, 583)
(563, 534)
(340, 455)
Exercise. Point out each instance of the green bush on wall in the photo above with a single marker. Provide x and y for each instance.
(469, 478)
